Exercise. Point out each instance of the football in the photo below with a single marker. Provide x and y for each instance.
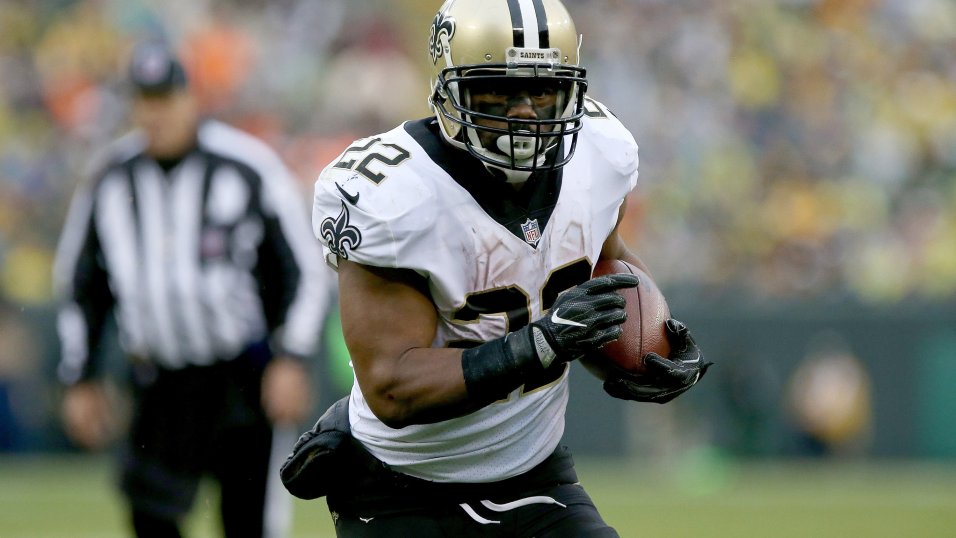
(644, 330)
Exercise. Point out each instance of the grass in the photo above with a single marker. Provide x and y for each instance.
(72, 497)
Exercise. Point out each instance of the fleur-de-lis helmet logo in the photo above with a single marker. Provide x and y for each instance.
(442, 25)
(339, 235)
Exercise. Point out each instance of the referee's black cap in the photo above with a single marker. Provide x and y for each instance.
(154, 69)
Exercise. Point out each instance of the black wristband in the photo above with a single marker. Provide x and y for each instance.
(495, 368)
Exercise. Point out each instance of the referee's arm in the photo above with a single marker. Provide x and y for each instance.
(294, 284)
(296, 290)
(82, 287)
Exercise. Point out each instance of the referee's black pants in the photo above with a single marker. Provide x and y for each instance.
(194, 422)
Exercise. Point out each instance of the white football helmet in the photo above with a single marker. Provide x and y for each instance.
(526, 47)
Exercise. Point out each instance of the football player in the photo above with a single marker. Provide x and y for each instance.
(464, 245)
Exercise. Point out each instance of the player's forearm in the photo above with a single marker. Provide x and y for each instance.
(80, 324)
(420, 386)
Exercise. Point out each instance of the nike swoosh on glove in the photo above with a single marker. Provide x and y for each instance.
(582, 319)
(664, 378)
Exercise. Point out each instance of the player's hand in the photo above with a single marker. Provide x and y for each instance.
(664, 378)
(286, 395)
(583, 319)
(87, 417)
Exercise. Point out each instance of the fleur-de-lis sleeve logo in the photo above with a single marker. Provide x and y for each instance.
(441, 25)
(339, 235)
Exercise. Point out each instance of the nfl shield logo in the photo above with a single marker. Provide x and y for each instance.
(531, 231)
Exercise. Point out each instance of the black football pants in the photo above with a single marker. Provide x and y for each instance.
(546, 501)
(574, 517)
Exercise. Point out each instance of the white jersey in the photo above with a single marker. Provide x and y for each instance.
(404, 199)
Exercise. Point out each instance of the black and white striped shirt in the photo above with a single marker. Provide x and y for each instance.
(196, 263)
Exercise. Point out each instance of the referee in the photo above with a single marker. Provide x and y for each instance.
(193, 236)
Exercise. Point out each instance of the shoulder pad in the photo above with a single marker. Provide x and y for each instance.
(374, 199)
(609, 137)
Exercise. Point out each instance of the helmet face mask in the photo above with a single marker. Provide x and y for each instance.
(481, 100)
(508, 104)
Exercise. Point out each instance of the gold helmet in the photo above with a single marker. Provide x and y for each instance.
(487, 47)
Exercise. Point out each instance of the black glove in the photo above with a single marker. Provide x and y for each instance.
(583, 319)
(320, 460)
(664, 378)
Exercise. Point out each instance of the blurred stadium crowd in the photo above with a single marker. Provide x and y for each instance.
(791, 149)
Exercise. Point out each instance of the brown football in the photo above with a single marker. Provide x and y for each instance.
(644, 330)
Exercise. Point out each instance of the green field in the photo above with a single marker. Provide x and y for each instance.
(71, 497)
